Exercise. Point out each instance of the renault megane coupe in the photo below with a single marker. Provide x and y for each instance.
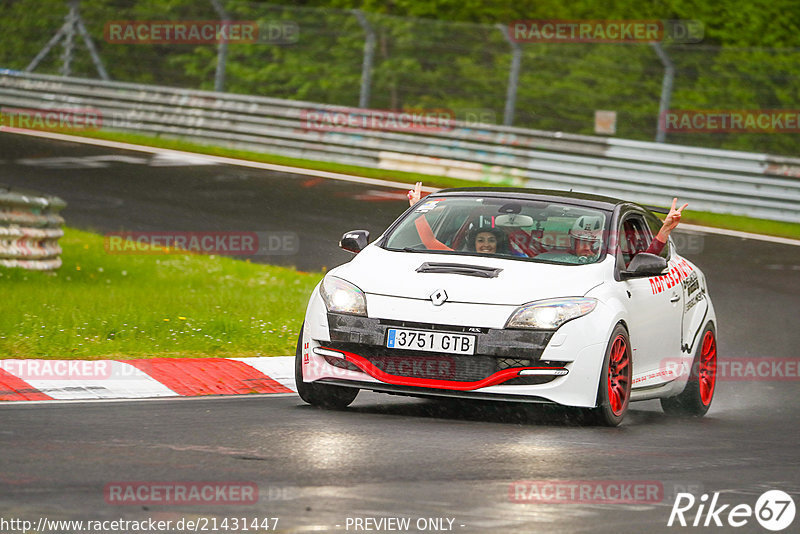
(514, 295)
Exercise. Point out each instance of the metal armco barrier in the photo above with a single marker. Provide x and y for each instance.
(722, 181)
(29, 230)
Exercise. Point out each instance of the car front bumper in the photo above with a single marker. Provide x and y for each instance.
(560, 366)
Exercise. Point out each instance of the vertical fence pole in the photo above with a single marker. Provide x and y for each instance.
(69, 38)
(666, 90)
(513, 76)
(222, 50)
(369, 56)
(72, 21)
(87, 40)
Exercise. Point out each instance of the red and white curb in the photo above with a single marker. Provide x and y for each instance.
(37, 380)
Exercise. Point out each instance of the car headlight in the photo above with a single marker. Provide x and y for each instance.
(550, 314)
(342, 297)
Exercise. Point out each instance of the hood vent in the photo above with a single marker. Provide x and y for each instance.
(458, 268)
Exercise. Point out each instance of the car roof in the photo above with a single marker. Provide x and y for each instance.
(582, 199)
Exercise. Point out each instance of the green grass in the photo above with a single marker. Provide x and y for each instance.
(732, 222)
(101, 305)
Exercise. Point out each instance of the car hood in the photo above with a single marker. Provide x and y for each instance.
(379, 271)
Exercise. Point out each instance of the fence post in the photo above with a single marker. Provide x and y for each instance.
(513, 76)
(67, 32)
(666, 90)
(87, 40)
(369, 56)
(222, 50)
(69, 38)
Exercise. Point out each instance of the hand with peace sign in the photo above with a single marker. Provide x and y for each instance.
(415, 194)
(671, 221)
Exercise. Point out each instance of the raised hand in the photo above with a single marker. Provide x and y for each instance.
(674, 216)
(415, 194)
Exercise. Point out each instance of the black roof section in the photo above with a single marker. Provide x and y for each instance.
(584, 199)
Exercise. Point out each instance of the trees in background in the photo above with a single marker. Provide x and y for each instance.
(449, 54)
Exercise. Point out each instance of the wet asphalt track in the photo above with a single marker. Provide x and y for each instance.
(386, 456)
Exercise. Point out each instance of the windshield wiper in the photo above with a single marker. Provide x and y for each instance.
(458, 268)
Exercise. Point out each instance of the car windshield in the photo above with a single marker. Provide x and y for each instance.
(503, 227)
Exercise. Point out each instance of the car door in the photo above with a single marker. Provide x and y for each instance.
(655, 310)
(693, 293)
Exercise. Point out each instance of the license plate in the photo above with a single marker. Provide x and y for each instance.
(430, 341)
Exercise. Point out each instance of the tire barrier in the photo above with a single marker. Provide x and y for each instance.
(30, 228)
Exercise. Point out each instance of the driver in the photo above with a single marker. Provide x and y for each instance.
(586, 241)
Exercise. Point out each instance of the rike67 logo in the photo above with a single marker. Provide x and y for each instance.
(774, 510)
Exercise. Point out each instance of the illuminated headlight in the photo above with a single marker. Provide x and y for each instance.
(342, 297)
(550, 314)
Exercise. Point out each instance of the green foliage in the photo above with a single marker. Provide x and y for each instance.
(451, 54)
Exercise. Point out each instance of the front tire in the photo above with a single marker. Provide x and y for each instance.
(614, 390)
(695, 400)
(324, 395)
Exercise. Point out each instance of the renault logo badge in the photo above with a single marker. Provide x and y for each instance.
(439, 297)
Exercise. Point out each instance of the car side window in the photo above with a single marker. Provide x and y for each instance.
(654, 225)
(633, 238)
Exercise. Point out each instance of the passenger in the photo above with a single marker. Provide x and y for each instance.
(487, 241)
(672, 220)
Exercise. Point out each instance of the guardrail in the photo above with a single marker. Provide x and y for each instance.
(723, 181)
(29, 230)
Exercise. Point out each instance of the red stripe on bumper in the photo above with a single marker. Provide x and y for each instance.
(16, 389)
(208, 376)
(375, 372)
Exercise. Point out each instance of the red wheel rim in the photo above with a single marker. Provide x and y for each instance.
(707, 368)
(618, 375)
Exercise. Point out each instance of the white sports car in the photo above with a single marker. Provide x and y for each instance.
(514, 295)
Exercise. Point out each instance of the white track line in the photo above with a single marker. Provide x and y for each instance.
(743, 235)
(329, 175)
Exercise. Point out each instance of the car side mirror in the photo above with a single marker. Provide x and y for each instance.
(645, 264)
(354, 241)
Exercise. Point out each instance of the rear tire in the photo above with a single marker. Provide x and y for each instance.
(325, 395)
(695, 400)
(614, 390)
